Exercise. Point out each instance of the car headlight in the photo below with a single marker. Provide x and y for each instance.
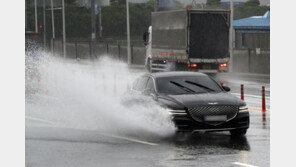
(243, 109)
(176, 112)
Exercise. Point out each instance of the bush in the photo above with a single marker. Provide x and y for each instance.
(252, 3)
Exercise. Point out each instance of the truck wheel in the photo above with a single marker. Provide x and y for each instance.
(238, 132)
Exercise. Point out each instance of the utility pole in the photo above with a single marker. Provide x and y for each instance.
(36, 17)
(155, 5)
(231, 36)
(93, 29)
(64, 29)
(128, 34)
(44, 26)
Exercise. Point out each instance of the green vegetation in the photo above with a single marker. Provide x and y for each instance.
(251, 8)
(78, 19)
(213, 2)
(248, 11)
(252, 3)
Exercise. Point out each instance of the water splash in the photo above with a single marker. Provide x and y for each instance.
(86, 95)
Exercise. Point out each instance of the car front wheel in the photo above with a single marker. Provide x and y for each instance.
(238, 132)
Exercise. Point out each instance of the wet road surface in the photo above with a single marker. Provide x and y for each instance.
(53, 146)
(50, 145)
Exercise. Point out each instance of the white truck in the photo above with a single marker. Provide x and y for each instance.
(188, 40)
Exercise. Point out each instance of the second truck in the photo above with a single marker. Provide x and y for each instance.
(188, 40)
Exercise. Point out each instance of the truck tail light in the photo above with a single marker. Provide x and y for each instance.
(192, 65)
(224, 65)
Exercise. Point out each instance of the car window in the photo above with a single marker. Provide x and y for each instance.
(150, 85)
(187, 85)
(141, 84)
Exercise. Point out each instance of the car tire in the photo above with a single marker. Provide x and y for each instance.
(238, 132)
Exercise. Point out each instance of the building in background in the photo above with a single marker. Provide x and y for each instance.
(252, 32)
(252, 45)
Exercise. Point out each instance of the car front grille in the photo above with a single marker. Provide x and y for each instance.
(198, 113)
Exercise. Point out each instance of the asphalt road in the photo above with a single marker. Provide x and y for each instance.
(48, 144)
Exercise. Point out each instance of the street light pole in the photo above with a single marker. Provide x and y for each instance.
(52, 20)
(128, 34)
(53, 31)
(64, 28)
(44, 26)
(231, 36)
(36, 17)
(93, 29)
(100, 21)
(26, 15)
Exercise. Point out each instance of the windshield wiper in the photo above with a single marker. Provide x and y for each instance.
(183, 87)
(199, 85)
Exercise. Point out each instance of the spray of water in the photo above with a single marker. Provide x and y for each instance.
(86, 95)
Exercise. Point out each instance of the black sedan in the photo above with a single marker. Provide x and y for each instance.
(195, 101)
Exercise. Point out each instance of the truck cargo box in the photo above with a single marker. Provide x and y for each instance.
(208, 34)
(195, 35)
(169, 30)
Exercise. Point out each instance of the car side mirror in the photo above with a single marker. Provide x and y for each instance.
(226, 88)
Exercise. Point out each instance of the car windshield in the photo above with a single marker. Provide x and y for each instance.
(187, 85)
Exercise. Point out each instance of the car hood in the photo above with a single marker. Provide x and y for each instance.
(192, 100)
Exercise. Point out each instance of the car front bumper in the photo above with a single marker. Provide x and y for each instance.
(186, 123)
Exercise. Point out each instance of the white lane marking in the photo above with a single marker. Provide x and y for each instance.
(256, 102)
(130, 139)
(248, 95)
(242, 164)
(40, 120)
(257, 108)
(109, 135)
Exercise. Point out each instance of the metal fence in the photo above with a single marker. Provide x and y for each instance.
(83, 50)
(244, 60)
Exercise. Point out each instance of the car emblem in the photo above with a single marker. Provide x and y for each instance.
(213, 103)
